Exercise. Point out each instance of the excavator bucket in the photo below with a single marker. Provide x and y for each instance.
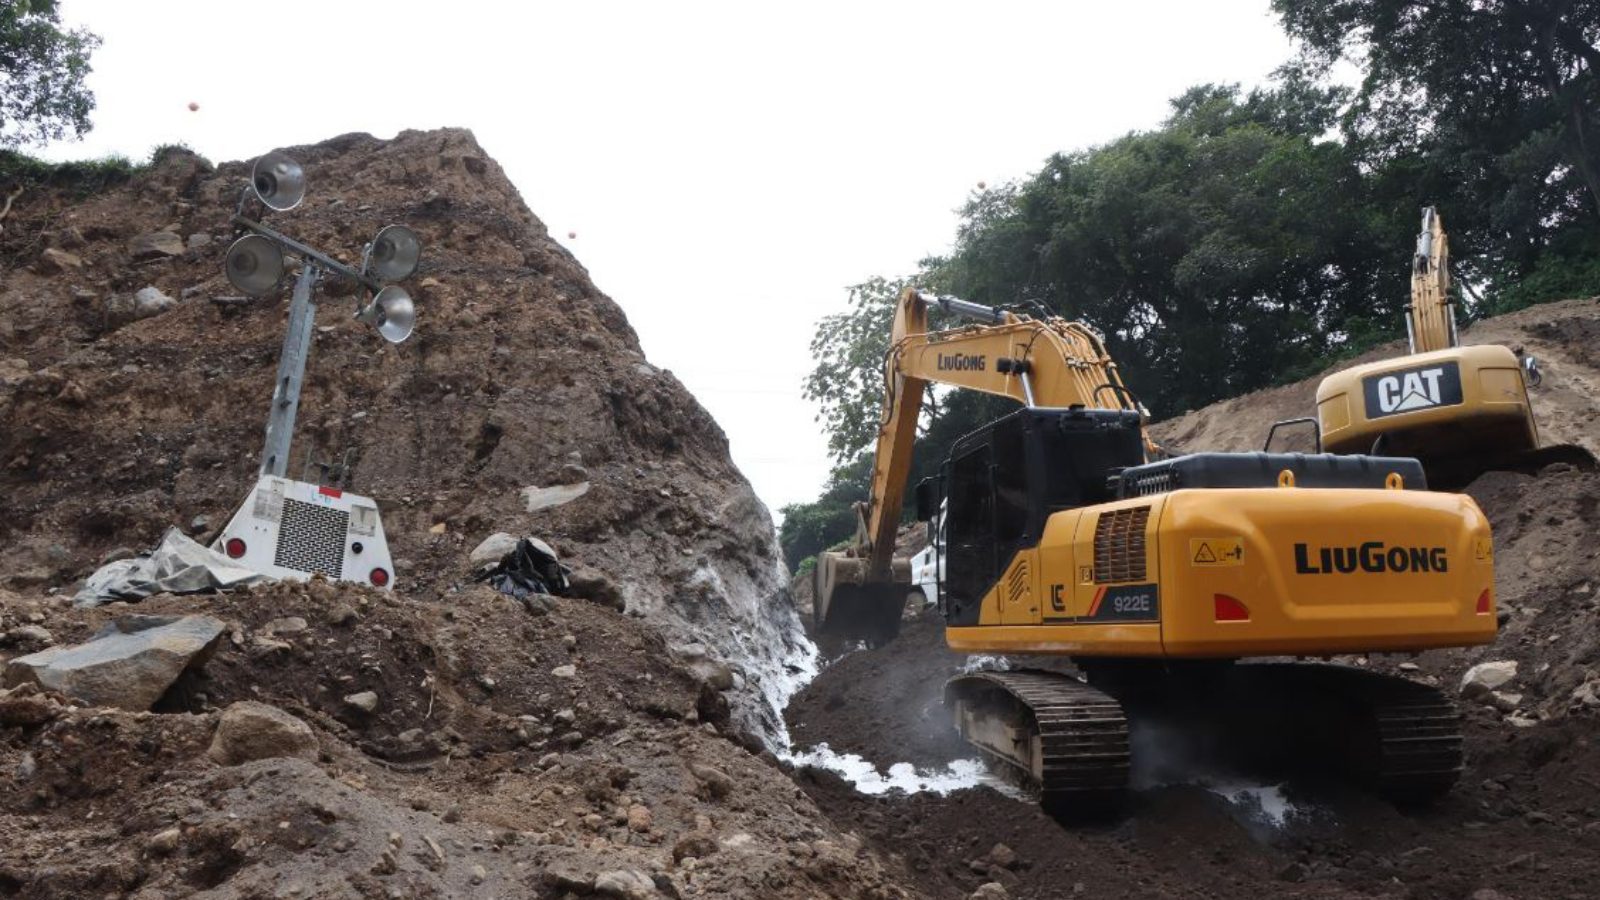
(850, 608)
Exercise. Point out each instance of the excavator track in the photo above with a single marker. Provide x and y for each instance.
(1403, 737)
(1065, 739)
(1069, 741)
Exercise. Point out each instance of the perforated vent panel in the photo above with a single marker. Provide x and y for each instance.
(1119, 545)
(311, 538)
(1153, 483)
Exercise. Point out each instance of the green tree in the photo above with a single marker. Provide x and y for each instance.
(1491, 110)
(810, 528)
(847, 379)
(42, 69)
(1216, 253)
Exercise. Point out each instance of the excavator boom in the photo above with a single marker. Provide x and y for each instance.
(1048, 362)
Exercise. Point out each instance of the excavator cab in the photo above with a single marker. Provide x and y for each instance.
(1004, 480)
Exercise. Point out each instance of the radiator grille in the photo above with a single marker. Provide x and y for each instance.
(1119, 545)
(311, 538)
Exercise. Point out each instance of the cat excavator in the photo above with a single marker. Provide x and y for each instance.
(1163, 582)
(1461, 410)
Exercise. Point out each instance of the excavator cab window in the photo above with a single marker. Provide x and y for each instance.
(969, 532)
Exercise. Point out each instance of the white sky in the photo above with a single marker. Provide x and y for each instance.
(729, 168)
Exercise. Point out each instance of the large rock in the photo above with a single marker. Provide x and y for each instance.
(250, 731)
(155, 245)
(129, 664)
(1487, 676)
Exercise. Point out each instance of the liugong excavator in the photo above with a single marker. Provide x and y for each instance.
(1461, 410)
(1157, 578)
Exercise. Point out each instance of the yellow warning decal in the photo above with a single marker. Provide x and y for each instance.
(1484, 550)
(1227, 551)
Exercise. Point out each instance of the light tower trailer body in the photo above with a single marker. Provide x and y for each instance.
(293, 530)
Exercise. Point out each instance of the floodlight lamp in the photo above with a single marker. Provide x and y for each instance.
(394, 253)
(392, 313)
(255, 265)
(278, 181)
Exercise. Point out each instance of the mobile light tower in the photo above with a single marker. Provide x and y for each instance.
(293, 529)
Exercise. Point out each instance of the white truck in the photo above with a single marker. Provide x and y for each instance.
(927, 565)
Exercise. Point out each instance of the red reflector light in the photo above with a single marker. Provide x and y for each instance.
(235, 548)
(1483, 603)
(330, 492)
(378, 577)
(1229, 610)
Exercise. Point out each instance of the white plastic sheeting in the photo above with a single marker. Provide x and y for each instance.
(177, 565)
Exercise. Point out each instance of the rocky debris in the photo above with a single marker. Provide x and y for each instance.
(639, 818)
(144, 303)
(629, 884)
(130, 664)
(155, 245)
(596, 587)
(714, 783)
(27, 636)
(718, 675)
(495, 547)
(54, 261)
(249, 731)
(163, 843)
(24, 707)
(992, 890)
(363, 701)
(535, 498)
(1485, 677)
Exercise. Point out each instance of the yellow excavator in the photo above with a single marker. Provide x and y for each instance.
(1461, 410)
(1161, 580)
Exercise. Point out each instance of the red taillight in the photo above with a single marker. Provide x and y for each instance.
(1229, 610)
(378, 577)
(235, 548)
(1483, 603)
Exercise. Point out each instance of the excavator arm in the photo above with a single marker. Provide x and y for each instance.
(1048, 362)
(1431, 317)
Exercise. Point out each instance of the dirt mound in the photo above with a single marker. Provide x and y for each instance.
(470, 744)
(520, 373)
(1562, 336)
(482, 770)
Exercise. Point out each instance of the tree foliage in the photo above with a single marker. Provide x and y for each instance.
(1489, 109)
(810, 528)
(846, 380)
(1215, 253)
(42, 70)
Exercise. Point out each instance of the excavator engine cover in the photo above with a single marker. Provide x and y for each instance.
(1245, 470)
